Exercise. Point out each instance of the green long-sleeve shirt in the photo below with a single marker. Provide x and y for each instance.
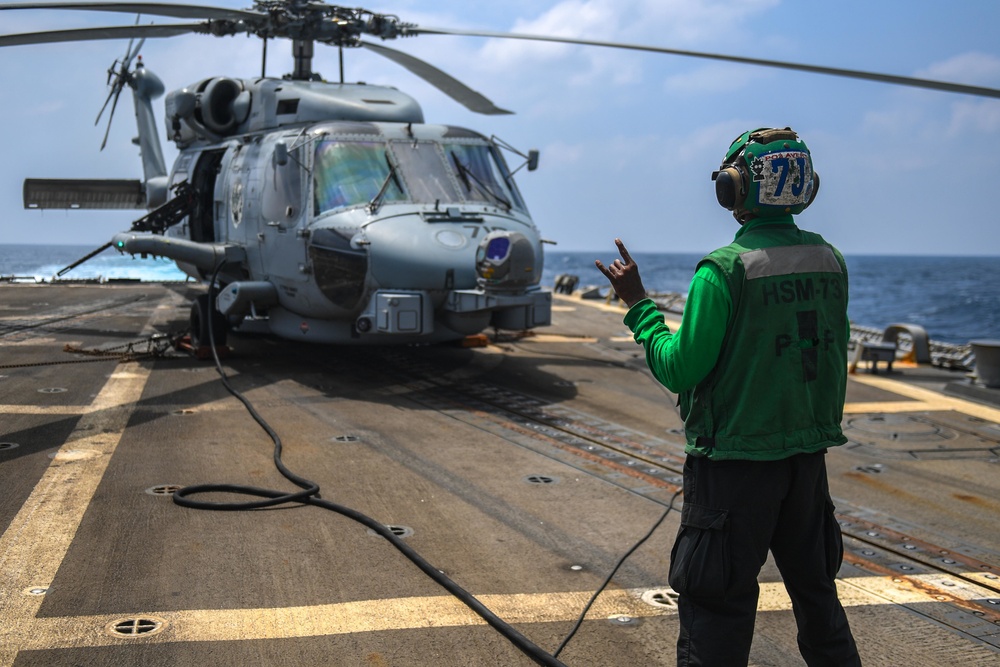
(682, 359)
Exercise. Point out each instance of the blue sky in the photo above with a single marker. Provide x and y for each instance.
(628, 140)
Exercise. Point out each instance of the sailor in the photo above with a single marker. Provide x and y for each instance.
(759, 363)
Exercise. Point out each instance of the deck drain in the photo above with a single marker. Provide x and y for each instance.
(183, 411)
(36, 590)
(4, 446)
(874, 468)
(398, 531)
(345, 438)
(661, 598)
(135, 627)
(51, 390)
(541, 479)
(164, 489)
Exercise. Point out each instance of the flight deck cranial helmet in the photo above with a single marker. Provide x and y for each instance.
(766, 172)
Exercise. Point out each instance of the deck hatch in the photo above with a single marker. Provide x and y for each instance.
(135, 627)
(541, 479)
(661, 598)
(398, 531)
(163, 489)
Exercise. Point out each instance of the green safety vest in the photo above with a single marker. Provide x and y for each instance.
(778, 387)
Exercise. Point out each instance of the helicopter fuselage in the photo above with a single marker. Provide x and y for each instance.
(373, 228)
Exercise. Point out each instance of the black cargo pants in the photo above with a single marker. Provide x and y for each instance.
(734, 512)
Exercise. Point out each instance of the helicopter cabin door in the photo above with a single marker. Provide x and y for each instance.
(202, 223)
(266, 210)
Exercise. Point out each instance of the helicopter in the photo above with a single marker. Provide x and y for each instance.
(330, 211)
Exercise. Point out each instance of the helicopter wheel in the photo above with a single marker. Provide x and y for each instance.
(203, 316)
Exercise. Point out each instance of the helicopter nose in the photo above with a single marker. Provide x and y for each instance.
(338, 267)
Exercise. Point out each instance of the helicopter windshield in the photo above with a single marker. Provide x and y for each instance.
(426, 173)
(481, 176)
(349, 173)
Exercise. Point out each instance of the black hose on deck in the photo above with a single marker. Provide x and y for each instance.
(309, 495)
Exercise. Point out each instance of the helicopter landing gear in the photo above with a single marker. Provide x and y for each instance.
(203, 316)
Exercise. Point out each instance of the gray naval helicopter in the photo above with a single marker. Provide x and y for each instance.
(328, 210)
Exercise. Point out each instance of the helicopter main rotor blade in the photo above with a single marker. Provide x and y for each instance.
(154, 8)
(816, 69)
(111, 32)
(446, 83)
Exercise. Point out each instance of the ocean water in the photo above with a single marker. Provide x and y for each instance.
(43, 262)
(956, 299)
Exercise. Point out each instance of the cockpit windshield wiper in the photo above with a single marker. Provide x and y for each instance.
(467, 174)
(376, 201)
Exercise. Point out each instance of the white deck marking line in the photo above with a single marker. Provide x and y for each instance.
(36, 541)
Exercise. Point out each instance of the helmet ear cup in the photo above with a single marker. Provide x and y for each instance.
(729, 188)
(812, 195)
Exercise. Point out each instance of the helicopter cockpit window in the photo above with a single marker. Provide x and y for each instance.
(423, 167)
(351, 173)
(481, 176)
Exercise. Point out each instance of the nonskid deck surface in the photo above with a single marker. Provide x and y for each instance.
(523, 470)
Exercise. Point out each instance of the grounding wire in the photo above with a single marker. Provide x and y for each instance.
(310, 496)
(614, 570)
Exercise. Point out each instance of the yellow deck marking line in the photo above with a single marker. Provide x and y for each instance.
(556, 338)
(219, 405)
(931, 400)
(617, 307)
(42, 409)
(887, 406)
(35, 543)
(205, 625)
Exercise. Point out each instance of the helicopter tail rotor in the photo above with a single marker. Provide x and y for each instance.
(119, 76)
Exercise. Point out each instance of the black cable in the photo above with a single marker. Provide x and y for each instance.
(614, 570)
(310, 496)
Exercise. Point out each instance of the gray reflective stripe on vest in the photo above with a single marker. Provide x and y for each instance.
(784, 260)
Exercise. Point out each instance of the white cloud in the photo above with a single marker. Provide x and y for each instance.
(971, 119)
(981, 69)
(669, 23)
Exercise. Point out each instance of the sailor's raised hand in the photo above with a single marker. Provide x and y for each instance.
(623, 275)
